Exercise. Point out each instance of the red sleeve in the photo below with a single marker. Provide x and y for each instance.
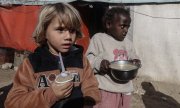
(24, 93)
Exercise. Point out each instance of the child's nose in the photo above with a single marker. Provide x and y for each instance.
(68, 34)
(126, 29)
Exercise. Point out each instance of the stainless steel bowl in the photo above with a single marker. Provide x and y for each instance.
(123, 70)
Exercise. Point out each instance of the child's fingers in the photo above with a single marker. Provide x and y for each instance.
(67, 95)
(105, 64)
(62, 87)
(63, 90)
(67, 85)
(68, 92)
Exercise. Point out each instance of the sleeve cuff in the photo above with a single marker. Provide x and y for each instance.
(97, 63)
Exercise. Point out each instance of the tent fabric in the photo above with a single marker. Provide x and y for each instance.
(42, 2)
(17, 25)
(156, 38)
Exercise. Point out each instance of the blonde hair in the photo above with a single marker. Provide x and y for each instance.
(66, 14)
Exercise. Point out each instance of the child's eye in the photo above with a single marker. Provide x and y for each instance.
(122, 26)
(61, 29)
(72, 31)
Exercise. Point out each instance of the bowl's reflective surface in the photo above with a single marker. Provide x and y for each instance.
(123, 65)
(123, 70)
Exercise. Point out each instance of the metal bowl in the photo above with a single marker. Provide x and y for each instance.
(123, 70)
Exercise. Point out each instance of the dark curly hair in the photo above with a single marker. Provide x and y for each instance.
(110, 14)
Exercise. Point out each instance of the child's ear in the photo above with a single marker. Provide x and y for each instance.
(108, 24)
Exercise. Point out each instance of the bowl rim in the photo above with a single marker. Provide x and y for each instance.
(127, 62)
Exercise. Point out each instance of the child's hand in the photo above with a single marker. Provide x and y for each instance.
(136, 62)
(62, 91)
(104, 67)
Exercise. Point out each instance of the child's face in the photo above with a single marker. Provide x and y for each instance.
(118, 28)
(59, 38)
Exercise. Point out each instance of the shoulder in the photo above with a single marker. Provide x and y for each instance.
(25, 67)
(40, 57)
(128, 41)
(34, 59)
(100, 37)
(26, 61)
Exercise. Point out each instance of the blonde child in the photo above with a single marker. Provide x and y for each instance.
(34, 83)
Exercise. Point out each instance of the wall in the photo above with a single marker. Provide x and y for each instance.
(156, 37)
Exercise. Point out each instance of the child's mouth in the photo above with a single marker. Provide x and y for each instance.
(66, 46)
(124, 34)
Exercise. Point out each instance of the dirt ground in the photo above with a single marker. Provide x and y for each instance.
(147, 93)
